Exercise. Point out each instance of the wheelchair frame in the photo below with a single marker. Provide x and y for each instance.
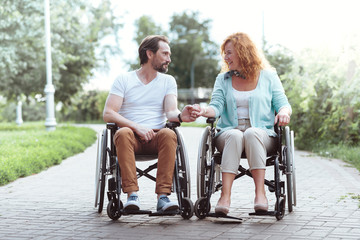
(209, 174)
(107, 165)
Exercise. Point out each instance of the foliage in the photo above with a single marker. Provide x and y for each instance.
(323, 88)
(87, 106)
(279, 57)
(29, 149)
(77, 28)
(22, 68)
(32, 110)
(191, 45)
(145, 26)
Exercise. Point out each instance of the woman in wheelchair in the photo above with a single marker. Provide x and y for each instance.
(246, 95)
(139, 103)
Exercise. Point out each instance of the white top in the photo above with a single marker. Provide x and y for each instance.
(144, 103)
(242, 103)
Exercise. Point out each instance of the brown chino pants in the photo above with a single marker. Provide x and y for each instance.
(164, 144)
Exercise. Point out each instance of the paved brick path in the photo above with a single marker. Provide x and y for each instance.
(58, 204)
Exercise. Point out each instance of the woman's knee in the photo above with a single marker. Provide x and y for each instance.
(253, 135)
(234, 136)
(251, 132)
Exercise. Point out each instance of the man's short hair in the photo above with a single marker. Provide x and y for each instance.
(150, 43)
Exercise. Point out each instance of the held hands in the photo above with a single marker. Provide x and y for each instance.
(190, 113)
(283, 117)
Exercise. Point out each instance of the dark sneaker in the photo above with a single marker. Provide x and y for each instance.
(164, 204)
(133, 202)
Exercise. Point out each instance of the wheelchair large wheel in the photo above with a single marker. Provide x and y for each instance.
(279, 190)
(293, 166)
(289, 168)
(183, 167)
(98, 169)
(100, 179)
(204, 163)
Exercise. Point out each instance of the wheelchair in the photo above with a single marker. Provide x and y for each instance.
(108, 173)
(209, 173)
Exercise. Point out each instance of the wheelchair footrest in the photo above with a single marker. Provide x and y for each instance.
(222, 215)
(166, 213)
(263, 213)
(150, 213)
(134, 212)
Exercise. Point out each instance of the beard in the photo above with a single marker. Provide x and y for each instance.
(160, 67)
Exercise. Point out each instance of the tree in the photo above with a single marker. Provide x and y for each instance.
(279, 57)
(324, 95)
(21, 50)
(145, 26)
(77, 29)
(86, 106)
(191, 45)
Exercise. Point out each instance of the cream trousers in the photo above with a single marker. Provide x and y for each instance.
(255, 141)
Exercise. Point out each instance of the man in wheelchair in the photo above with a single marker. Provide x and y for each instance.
(246, 95)
(139, 102)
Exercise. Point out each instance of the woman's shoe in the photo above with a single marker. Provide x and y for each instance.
(261, 207)
(221, 209)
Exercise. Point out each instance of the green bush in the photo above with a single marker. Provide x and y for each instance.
(30, 149)
(31, 111)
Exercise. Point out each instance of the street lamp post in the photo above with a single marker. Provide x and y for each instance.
(49, 90)
(192, 80)
(192, 75)
(19, 119)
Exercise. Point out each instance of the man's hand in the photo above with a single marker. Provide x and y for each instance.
(189, 113)
(145, 134)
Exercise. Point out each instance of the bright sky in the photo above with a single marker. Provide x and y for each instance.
(295, 24)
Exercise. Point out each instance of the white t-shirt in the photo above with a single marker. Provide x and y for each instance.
(144, 103)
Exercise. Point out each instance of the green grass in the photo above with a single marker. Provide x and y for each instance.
(29, 149)
(348, 154)
(351, 196)
(194, 124)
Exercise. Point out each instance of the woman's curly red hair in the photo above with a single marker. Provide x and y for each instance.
(252, 60)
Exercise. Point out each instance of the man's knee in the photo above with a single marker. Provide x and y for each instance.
(124, 134)
(167, 135)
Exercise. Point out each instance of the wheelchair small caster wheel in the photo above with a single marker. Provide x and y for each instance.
(113, 210)
(187, 210)
(280, 212)
(200, 208)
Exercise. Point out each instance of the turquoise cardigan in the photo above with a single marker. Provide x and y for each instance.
(268, 97)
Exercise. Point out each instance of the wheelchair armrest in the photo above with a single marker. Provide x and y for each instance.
(210, 120)
(172, 125)
(111, 126)
(114, 127)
